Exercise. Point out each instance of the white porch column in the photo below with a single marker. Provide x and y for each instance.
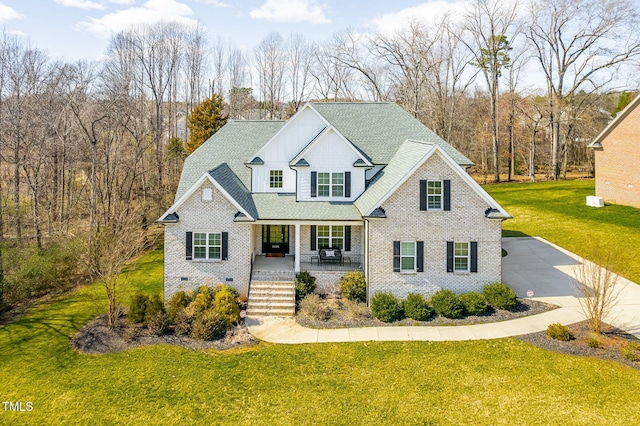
(296, 266)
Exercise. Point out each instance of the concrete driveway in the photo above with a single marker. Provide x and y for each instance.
(532, 263)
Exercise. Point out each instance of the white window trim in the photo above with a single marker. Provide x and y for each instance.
(331, 185)
(441, 196)
(330, 237)
(207, 246)
(415, 255)
(468, 257)
(281, 179)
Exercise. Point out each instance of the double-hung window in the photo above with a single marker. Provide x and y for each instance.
(275, 179)
(461, 257)
(330, 236)
(330, 184)
(207, 245)
(407, 256)
(434, 195)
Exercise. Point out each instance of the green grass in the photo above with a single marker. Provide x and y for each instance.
(481, 382)
(557, 212)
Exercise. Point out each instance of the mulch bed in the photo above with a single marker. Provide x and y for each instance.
(612, 340)
(341, 316)
(97, 338)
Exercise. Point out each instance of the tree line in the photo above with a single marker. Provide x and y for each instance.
(85, 147)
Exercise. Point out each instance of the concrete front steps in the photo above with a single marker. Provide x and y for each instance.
(272, 298)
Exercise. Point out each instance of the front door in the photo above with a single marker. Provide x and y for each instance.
(275, 239)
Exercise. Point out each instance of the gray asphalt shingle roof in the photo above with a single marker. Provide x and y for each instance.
(379, 128)
(285, 207)
(407, 156)
(234, 187)
(232, 144)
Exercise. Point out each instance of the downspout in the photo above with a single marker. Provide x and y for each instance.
(366, 258)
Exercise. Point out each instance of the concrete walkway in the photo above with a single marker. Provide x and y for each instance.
(531, 264)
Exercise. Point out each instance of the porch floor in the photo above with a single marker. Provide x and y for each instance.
(273, 264)
(285, 265)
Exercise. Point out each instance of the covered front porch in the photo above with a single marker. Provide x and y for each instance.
(285, 248)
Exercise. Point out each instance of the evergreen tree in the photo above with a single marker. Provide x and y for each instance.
(205, 119)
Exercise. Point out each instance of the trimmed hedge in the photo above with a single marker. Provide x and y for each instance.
(447, 304)
(500, 296)
(353, 286)
(386, 307)
(305, 284)
(416, 307)
(474, 303)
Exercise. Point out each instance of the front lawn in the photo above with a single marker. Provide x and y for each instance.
(481, 382)
(557, 211)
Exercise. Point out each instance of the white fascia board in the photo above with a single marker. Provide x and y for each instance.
(464, 175)
(309, 222)
(614, 123)
(196, 186)
(317, 139)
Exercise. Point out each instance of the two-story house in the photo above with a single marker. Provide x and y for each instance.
(260, 200)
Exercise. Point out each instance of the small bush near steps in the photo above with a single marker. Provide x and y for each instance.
(559, 332)
(305, 284)
(314, 307)
(386, 307)
(416, 307)
(353, 286)
(448, 304)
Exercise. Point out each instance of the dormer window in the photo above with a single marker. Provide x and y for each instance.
(275, 179)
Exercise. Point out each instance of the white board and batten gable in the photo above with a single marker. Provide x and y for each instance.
(331, 154)
(276, 154)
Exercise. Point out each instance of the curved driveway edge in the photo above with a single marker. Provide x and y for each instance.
(531, 263)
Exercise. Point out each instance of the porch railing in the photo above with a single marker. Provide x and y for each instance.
(349, 262)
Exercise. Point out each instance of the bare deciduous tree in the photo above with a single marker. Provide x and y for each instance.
(597, 285)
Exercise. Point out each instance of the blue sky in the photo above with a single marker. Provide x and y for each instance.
(80, 29)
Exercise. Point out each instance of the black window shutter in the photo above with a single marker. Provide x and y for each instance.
(189, 245)
(314, 184)
(447, 195)
(347, 184)
(313, 237)
(474, 256)
(225, 245)
(347, 238)
(396, 256)
(449, 256)
(423, 195)
(420, 256)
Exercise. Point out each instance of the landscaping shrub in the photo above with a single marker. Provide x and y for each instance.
(305, 284)
(226, 306)
(447, 304)
(179, 301)
(208, 325)
(631, 351)
(386, 307)
(416, 307)
(313, 307)
(500, 296)
(130, 333)
(184, 321)
(357, 310)
(137, 308)
(157, 322)
(155, 306)
(594, 341)
(474, 303)
(202, 302)
(559, 332)
(353, 286)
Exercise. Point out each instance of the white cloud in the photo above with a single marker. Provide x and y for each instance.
(290, 11)
(7, 13)
(81, 4)
(123, 2)
(429, 13)
(150, 12)
(214, 3)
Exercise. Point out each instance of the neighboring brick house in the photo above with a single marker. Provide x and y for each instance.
(617, 158)
(259, 201)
